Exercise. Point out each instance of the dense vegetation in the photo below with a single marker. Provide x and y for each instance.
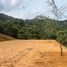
(37, 28)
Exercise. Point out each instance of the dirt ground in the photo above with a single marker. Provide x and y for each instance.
(32, 53)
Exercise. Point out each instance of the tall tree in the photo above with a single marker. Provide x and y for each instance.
(58, 13)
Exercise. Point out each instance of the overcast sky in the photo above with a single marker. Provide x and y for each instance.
(28, 8)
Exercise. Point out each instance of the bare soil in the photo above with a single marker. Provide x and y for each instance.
(32, 53)
(4, 37)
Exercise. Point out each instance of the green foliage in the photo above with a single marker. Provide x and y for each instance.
(37, 28)
(62, 37)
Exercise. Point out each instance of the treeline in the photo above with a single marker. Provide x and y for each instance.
(37, 28)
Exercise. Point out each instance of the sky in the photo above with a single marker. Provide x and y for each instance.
(27, 9)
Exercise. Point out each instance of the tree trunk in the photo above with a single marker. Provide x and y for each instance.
(61, 49)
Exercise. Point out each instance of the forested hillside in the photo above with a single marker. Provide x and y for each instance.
(37, 28)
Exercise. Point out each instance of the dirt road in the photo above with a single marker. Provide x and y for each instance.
(32, 53)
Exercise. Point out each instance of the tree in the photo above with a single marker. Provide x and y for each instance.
(58, 13)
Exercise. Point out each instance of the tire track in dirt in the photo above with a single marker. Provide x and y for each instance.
(11, 62)
(32, 54)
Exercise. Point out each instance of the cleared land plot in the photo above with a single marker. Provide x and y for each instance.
(32, 53)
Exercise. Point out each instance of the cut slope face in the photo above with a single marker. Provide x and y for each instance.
(5, 37)
(32, 53)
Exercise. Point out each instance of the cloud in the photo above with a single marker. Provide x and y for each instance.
(13, 2)
(22, 8)
(8, 5)
(25, 8)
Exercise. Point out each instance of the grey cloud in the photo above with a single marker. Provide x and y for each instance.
(5, 5)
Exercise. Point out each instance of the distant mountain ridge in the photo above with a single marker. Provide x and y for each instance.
(4, 16)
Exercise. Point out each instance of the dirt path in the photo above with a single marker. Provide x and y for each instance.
(32, 53)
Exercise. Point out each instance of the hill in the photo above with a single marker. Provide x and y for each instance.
(32, 53)
(37, 28)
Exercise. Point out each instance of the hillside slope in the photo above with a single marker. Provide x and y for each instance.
(4, 37)
(32, 53)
